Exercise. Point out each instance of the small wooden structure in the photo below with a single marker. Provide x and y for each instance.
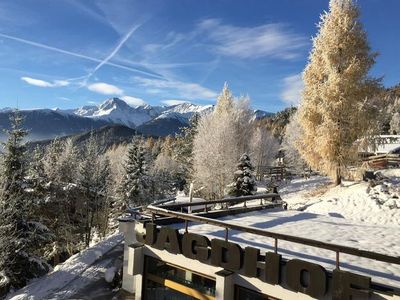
(381, 161)
(276, 172)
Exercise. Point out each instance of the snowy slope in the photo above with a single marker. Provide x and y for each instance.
(117, 111)
(184, 111)
(355, 201)
(72, 275)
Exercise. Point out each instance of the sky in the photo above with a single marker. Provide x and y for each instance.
(71, 53)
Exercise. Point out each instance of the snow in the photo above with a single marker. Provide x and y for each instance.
(181, 198)
(77, 270)
(352, 200)
(118, 111)
(352, 214)
(386, 143)
(330, 229)
(110, 274)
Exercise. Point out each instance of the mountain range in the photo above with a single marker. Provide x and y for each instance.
(146, 119)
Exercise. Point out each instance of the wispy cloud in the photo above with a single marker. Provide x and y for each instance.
(64, 98)
(171, 40)
(174, 102)
(43, 83)
(181, 89)
(292, 88)
(269, 40)
(105, 88)
(74, 54)
(133, 100)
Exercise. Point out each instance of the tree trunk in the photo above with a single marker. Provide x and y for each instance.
(338, 177)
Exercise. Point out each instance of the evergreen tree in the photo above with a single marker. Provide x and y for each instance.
(93, 178)
(337, 107)
(60, 200)
(244, 182)
(183, 148)
(20, 237)
(36, 168)
(134, 184)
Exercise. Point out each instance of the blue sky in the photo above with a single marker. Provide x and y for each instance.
(70, 53)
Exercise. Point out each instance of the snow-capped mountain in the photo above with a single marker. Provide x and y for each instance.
(147, 119)
(183, 112)
(117, 111)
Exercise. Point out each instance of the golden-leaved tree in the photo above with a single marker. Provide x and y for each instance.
(338, 100)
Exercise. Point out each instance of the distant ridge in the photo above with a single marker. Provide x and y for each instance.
(150, 120)
(105, 136)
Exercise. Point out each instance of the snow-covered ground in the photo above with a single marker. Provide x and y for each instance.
(73, 275)
(381, 239)
(357, 201)
(354, 214)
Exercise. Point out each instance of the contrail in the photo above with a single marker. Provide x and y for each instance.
(101, 62)
(116, 49)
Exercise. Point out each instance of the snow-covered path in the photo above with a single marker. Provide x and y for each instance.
(78, 272)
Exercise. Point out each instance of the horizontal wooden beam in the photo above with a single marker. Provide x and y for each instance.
(279, 236)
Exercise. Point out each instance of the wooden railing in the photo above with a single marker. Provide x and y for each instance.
(159, 211)
(382, 161)
(233, 200)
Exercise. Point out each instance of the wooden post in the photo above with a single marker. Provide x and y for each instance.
(190, 197)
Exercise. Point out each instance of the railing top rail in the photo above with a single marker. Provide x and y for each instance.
(262, 232)
(225, 200)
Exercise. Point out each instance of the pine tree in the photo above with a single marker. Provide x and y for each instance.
(20, 237)
(183, 148)
(93, 179)
(60, 200)
(134, 186)
(36, 168)
(337, 108)
(244, 181)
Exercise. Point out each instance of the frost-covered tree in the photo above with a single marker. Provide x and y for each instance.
(94, 173)
(183, 147)
(264, 147)
(134, 185)
(395, 117)
(221, 138)
(59, 200)
(244, 182)
(36, 167)
(336, 106)
(20, 236)
(290, 144)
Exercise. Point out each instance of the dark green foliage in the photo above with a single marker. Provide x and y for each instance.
(277, 123)
(20, 237)
(244, 182)
(135, 182)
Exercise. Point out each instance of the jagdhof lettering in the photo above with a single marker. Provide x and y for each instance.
(301, 276)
